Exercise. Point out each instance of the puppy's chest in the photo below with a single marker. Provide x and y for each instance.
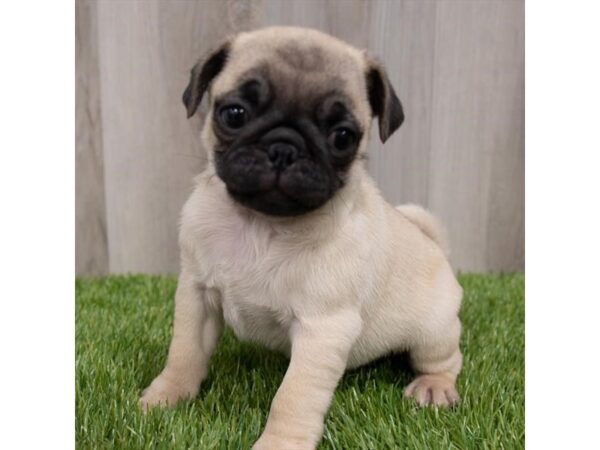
(247, 265)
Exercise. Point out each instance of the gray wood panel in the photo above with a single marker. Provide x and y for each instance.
(506, 198)
(478, 67)
(457, 67)
(91, 248)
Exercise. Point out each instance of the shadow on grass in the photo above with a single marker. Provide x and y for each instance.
(255, 372)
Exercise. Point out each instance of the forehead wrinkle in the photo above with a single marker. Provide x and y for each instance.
(291, 86)
(299, 87)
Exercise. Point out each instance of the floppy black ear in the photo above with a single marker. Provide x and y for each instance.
(202, 75)
(384, 102)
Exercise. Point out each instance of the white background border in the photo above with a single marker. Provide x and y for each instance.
(37, 224)
(562, 150)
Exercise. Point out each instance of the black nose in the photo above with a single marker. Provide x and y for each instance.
(282, 154)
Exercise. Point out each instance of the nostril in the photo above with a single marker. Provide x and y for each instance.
(282, 154)
(291, 157)
(273, 153)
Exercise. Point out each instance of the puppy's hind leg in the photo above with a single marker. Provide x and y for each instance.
(437, 361)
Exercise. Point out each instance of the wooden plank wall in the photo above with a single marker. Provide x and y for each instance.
(91, 249)
(458, 66)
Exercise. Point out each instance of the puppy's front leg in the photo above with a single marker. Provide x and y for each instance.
(197, 326)
(320, 349)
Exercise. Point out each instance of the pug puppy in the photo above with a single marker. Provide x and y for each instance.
(287, 240)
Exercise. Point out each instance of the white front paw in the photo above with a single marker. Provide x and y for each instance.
(165, 392)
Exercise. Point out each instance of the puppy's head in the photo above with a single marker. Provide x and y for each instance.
(289, 112)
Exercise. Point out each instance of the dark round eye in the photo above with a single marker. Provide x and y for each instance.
(342, 138)
(234, 116)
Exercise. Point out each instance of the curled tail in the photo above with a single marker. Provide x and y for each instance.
(428, 224)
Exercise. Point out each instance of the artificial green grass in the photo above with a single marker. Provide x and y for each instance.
(123, 327)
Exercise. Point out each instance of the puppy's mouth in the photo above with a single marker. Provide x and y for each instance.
(274, 183)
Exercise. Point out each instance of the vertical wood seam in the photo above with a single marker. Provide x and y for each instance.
(431, 103)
